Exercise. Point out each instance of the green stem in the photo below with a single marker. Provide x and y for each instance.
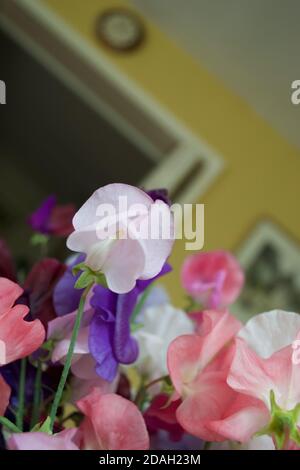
(8, 424)
(37, 396)
(21, 395)
(68, 362)
(156, 381)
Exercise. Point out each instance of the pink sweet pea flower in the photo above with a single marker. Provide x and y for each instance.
(112, 423)
(214, 279)
(60, 329)
(116, 244)
(263, 365)
(64, 440)
(198, 366)
(20, 337)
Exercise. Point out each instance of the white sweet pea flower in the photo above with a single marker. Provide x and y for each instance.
(161, 325)
(125, 234)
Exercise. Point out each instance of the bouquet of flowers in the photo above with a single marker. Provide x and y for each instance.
(94, 356)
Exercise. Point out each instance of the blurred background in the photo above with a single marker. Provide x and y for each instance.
(190, 95)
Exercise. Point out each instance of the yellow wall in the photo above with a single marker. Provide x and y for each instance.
(261, 177)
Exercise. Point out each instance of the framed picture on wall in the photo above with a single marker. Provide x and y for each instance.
(271, 260)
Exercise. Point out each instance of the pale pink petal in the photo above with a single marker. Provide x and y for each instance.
(84, 367)
(158, 245)
(82, 240)
(208, 403)
(4, 395)
(114, 240)
(121, 276)
(83, 387)
(109, 194)
(64, 440)
(245, 417)
(249, 375)
(81, 348)
(183, 359)
(189, 354)
(224, 327)
(116, 422)
(62, 326)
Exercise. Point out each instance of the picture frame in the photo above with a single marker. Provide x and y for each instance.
(270, 258)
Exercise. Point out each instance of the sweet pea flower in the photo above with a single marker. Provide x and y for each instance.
(161, 325)
(161, 415)
(52, 219)
(20, 337)
(112, 423)
(105, 340)
(264, 369)
(39, 287)
(214, 279)
(198, 365)
(64, 440)
(112, 229)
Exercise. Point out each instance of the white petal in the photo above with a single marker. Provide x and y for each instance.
(270, 331)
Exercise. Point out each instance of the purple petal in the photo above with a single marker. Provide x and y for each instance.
(125, 346)
(104, 302)
(65, 297)
(141, 285)
(161, 194)
(40, 218)
(100, 345)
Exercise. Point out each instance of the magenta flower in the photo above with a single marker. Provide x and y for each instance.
(113, 229)
(214, 279)
(52, 219)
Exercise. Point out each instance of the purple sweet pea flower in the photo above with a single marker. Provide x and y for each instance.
(39, 219)
(110, 340)
(52, 219)
(65, 297)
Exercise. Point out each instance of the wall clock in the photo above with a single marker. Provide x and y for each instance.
(120, 29)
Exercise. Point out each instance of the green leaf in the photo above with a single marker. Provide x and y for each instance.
(79, 267)
(283, 424)
(43, 427)
(100, 279)
(85, 279)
